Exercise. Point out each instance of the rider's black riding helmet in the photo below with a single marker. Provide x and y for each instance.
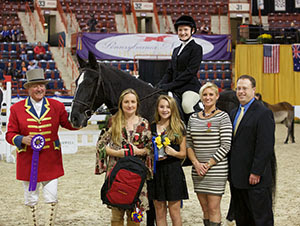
(185, 20)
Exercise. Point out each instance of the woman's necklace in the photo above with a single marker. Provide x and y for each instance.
(208, 114)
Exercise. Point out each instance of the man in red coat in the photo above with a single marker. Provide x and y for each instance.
(38, 115)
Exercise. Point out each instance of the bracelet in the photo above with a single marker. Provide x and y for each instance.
(209, 164)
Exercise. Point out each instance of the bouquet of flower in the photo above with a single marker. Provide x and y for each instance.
(161, 141)
(264, 38)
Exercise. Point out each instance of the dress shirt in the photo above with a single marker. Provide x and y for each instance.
(183, 44)
(246, 106)
(37, 106)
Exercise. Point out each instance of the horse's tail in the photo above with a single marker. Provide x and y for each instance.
(274, 177)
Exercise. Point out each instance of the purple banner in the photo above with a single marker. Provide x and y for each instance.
(148, 46)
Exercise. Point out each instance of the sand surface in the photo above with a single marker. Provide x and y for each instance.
(80, 204)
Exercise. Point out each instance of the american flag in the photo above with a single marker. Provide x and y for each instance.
(271, 58)
(296, 57)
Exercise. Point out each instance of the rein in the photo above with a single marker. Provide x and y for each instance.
(141, 99)
(88, 113)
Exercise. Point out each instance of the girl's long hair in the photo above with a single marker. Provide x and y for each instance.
(176, 127)
(118, 120)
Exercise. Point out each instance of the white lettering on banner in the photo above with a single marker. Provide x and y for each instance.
(238, 7)
(140, 6)
(68, 143)
(129, 46)
(47, 3)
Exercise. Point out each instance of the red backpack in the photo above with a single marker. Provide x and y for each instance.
(123, 185)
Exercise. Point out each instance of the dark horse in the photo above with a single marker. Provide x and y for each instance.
(100, 84)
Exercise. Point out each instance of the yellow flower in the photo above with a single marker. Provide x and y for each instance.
(167, 141)
(158, 142)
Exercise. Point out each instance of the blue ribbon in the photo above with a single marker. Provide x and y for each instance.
(37, 144)
(155, 149)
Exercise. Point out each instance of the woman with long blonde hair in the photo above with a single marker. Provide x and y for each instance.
(127, 128)
(169, 184)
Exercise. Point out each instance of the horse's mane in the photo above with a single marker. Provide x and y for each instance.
(115, 81)
(121, 80)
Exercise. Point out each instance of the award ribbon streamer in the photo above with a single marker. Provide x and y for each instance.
(155, 149)
(37, 144)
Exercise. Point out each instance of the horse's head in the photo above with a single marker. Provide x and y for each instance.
(88, 86)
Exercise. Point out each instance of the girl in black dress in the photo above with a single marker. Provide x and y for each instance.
(169, 184)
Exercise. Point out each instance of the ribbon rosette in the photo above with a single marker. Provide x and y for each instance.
(37, 144)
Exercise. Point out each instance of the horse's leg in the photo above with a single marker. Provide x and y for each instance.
(287, 124)
(292, 132)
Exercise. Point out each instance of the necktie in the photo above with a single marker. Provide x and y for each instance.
(239, 119)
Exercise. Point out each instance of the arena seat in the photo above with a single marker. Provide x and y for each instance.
(218, 82)
(211, 74)
(1, 75)
(43, 64)
(219, 74)
(48, 74)
(202, 74)
(227, 83)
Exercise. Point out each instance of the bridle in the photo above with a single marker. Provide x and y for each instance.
(89, 112)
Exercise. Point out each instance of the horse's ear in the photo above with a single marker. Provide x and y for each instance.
(93, 61)
(82, 63)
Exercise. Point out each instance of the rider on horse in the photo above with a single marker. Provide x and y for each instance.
(181, 77)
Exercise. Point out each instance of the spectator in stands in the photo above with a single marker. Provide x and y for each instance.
(23, 70)
(204, 29)
(103, 30)
(15, 34)
(5, 35)
(9, 70)
(32, 65)
(23, 52)
(25, 117)
(181, 77)
(92, 22)
(39, 51)
(291, 34)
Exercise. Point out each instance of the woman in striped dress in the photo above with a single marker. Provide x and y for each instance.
(208, 142)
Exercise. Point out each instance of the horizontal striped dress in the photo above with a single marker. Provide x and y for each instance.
(210, 138)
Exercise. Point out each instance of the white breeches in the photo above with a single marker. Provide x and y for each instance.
(49, 192)
(189, 100)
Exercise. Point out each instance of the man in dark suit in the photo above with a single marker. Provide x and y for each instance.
(181, 76)
(251, 158)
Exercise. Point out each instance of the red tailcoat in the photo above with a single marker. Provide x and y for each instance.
(24, 121)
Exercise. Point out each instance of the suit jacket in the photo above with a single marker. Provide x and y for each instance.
(182, 71)
(252, 147)
(23, 120)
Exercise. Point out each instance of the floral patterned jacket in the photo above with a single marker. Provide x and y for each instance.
(140, 137)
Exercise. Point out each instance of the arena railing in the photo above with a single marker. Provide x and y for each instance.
(62, 15)
(39, 12)
(31, 19)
